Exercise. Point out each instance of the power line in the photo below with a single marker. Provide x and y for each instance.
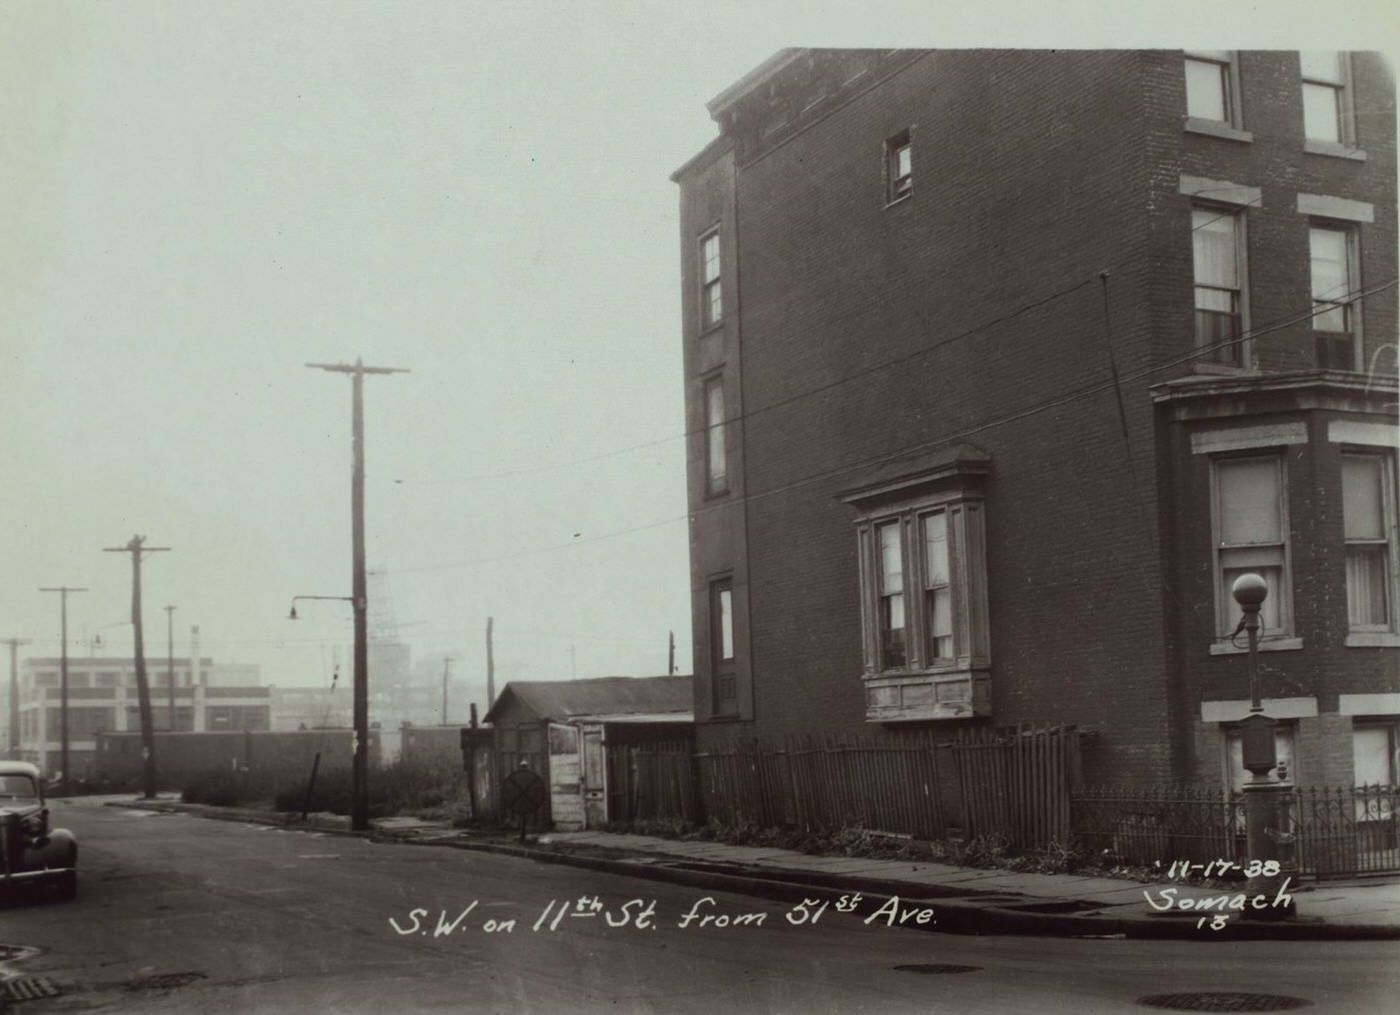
(1086, 391)
(780, 403)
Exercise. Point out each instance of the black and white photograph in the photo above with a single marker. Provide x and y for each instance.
(660, 509)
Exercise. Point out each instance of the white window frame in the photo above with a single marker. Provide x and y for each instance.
(1342, 92)
(1227, 611)
(1349, 305)
(1387, 542)
(1239, 353)
(710, 270)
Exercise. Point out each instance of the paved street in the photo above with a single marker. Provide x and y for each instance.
(180, 914)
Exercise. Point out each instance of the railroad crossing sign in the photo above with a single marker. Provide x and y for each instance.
(522, 792)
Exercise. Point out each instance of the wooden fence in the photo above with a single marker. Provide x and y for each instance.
(651, 781)
(1012, 783)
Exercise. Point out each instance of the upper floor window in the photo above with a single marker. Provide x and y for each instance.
(1369, 520)
(711, 295)
(1218, 253)
(1332, 251)
(899, 166)
(1250, 523)
(716, 466)
(1212, 86)
(1326, 97)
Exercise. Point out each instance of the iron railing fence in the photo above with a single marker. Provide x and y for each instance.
(1333, 831)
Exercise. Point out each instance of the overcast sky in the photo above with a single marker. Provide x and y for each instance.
(196, 199)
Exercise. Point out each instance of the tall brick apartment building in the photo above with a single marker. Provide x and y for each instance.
(1001, 366)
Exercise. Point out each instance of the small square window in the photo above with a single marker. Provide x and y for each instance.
(899, 167)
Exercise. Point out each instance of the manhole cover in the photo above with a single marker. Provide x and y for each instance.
(1224, 1001)
(936, 967)
(29, 988)
(165, 981)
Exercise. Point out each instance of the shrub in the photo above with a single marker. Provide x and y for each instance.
(219, 788)
(397, 789)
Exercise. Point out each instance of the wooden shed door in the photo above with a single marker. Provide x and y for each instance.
(565, 798)
(595, 778)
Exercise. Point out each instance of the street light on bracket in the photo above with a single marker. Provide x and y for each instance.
(292, 615)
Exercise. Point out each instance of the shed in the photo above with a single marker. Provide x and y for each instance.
(575, 732)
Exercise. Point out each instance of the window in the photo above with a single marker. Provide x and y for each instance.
(1374, 765)
(722, 646)
(716, 468)
(1368, 521)
(899, 167)
(1210, 86)
(1217, 246)
(711, 296)
(1251, 534)
(926, 615)
(1374, 754)
(1326, 98)
(891, 593)
(938, 598)
(921, 537)
(1335, 323)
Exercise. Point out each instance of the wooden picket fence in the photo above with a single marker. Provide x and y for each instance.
(1013, 783)
(651, 781)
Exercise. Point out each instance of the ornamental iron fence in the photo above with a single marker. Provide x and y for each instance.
(1335, 831)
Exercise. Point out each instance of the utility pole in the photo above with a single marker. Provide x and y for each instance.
(62, 591)
(446, 665)
(671, 653)
(14, 644)
(170, 660)
(359, 804)
(136, 546)
(490, 667)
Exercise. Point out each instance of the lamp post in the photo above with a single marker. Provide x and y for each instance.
(1260, 757)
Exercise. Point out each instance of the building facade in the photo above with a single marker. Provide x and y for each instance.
(1000, 366)
(103, 698)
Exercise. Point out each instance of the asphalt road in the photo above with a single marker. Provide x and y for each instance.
(181, 914)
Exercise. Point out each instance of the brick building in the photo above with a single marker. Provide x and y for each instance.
(1000, 366)
(103, 697)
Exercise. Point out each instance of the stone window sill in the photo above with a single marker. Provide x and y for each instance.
(1214, 128)
(1225, 647)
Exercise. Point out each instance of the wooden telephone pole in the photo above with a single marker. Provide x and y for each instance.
(359, 795)
(62, 591)
(136, 547)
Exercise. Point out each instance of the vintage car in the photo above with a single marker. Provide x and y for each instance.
(31, 853)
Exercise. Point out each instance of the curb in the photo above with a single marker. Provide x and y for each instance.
(953, 915)
(960, 914)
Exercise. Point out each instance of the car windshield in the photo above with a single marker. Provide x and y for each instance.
(18, 787)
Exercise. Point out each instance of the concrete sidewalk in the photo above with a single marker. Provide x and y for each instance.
(964, 899)
(997, 901)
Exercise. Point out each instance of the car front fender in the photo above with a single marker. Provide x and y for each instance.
(60, 850)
